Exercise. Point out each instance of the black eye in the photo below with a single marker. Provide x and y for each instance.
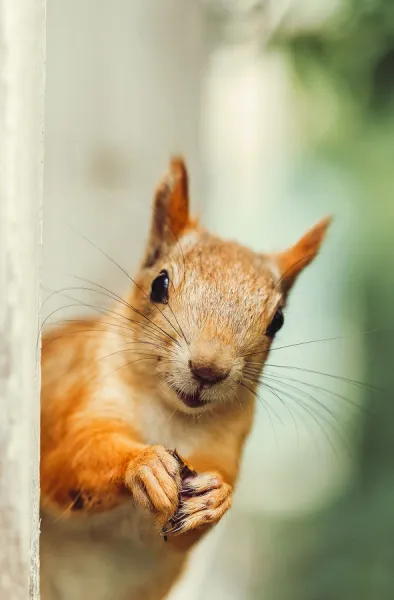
(159, 289)
(276, 323)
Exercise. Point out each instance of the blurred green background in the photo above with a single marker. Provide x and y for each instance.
(336, 63)
(342, 71)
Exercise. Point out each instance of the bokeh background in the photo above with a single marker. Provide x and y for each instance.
(284, 110)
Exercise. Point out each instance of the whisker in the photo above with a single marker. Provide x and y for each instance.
(124, 302)
(273, 392)
(130, 306)
(327, 391)
(109, 327)
(304, 421)
(68, 333)
(109, 312)
(71, 320)
(329, 339)
(148, 357)
(127, 350)
(127, 275)
(97, 307)
(100, 308)
(330, 414)
(332, 376)
(275, 378)
(265, 404)
(309, 410)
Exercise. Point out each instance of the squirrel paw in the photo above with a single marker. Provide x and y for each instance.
(153, 478)
(204, 500)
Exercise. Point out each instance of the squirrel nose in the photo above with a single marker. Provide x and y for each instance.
(210, 361)
(208, 373)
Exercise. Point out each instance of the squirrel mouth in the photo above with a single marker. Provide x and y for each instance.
(191, 400)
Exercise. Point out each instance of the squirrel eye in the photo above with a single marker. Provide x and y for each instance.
(276, 323)
(159, 289)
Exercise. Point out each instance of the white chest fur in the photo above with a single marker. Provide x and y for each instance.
(118, 556)
(162, 425)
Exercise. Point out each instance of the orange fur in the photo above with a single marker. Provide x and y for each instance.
(295, 259)
(120, 392)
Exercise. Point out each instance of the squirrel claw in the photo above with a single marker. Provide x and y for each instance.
(165, 531)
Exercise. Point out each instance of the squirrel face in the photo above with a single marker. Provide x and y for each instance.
(209, 309)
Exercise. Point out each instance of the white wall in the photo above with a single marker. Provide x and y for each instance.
(123, 94)
(22, 43)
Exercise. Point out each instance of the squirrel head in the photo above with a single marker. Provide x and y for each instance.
(207, 309)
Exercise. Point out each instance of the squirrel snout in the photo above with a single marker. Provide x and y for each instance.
(210, 362)
(208, 373)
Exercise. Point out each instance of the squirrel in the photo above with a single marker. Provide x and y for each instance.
(146, 409)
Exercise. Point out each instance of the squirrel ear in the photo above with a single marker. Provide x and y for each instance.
(292, 261)
(170, 211)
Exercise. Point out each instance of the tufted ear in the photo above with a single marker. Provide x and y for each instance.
(292, 261)
(170, 212)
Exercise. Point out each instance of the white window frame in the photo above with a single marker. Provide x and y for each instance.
(22, 76)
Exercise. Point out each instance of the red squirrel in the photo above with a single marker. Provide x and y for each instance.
(145, 410)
